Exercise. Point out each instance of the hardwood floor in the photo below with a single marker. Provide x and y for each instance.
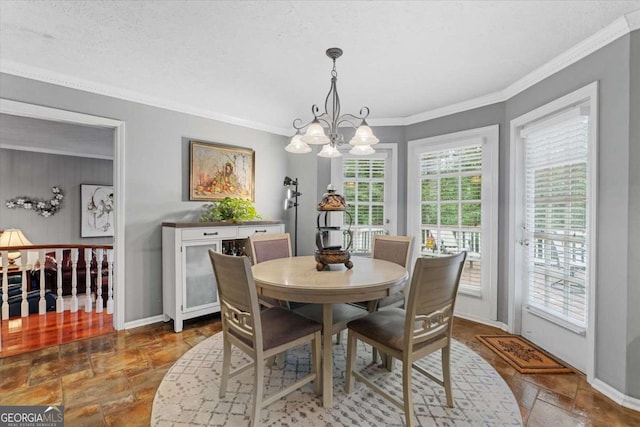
(112, 379)
(24, 334)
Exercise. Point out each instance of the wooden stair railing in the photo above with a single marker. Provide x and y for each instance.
(35, 259)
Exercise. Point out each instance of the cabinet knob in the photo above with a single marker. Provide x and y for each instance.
(260, 231)
(215, 233)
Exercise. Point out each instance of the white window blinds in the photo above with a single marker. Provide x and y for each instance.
(364, 191)
(556, 229)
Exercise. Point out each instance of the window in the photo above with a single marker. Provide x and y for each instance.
(366, 182)
(364, 189)
(556, 172)
(451, 205)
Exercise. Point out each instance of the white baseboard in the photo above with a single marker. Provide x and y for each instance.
(143, 322)
(615, 395)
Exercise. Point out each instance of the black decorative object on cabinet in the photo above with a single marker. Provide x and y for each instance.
(328, 251)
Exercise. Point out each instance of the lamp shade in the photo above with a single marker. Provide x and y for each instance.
(364, 136)
(315, 134)
(13, 237)
(297, 146)
(362, 150)
(329, 151)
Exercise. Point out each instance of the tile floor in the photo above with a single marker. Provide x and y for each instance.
(111, 380)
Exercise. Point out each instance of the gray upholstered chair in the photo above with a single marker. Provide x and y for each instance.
(259, 334)
(396, 249)
(265, 247)
(409, 335)
(269, 246)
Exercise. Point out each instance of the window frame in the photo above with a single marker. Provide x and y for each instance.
(490, 139)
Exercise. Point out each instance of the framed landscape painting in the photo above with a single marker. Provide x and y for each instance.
(218, 171)
(97, 203)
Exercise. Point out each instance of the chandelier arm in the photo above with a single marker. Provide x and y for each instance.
(324, 119)
(345, 119)
(301, 126)
(335, 99)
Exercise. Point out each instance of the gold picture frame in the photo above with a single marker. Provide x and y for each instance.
(218, 171)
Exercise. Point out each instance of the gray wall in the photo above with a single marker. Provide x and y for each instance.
(32, 174)
(618, 268)
(155, 166)
(610, 67)
(25, 133)
(633, 300)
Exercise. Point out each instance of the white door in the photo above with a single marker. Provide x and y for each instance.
(553, 230)
(368, 185)
(452, 194)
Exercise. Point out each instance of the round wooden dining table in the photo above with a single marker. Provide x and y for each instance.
(296, 279)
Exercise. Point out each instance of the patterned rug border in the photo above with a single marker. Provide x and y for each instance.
(187, 395)
(556, 367)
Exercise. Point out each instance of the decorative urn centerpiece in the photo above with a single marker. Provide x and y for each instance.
(333, 242)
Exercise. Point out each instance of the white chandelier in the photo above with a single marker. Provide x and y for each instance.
(331, 119)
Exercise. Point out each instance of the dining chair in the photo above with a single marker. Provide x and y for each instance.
(260, 334)
(396, 249)
(265, 247)
(409, 335)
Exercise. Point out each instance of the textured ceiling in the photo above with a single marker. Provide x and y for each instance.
(263, 63)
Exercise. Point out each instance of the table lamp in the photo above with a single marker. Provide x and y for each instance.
(13, 237)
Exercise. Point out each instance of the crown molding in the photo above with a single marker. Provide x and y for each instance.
(47, 76)
(618, 28)
(459, 107)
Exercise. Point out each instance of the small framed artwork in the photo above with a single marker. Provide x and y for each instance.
(97, 203)
(218, 171)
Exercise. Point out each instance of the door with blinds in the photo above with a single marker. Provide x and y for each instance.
(555, 232)
(366, 182)
(452, 207)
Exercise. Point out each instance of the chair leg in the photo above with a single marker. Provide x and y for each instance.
(446, 374)
(226, 366)
(351, 358)
(374, 355)
(277, 361)
(339, 337)
(315, 361)
(406, 391)
(258, 392)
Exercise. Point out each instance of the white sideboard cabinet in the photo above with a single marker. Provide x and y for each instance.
(188, 284)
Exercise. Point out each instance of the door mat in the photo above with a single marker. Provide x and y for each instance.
(525, 357)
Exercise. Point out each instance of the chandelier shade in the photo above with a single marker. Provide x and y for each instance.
(364, 136)
(328, 150)
(297, 146)
(324, 128)
(315, 134)
(362, 150)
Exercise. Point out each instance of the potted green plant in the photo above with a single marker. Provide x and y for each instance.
(229, 209)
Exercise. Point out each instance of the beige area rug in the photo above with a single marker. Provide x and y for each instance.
(188, 394)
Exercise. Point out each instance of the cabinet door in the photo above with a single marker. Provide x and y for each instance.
(200, 288)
